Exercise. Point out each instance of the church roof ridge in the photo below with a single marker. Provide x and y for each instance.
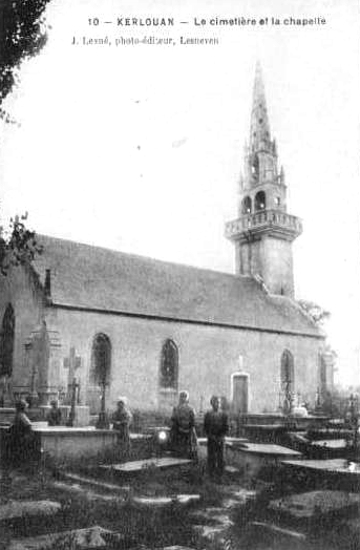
(41, 236)
(102, 279)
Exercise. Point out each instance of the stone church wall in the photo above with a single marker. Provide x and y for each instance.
(208, 356)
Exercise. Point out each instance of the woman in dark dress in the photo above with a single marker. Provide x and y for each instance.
(121, 420)
(21, 436)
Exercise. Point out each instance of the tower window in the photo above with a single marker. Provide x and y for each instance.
(246, 205)
(260, 201)
(255, 166)
(169, 367)
(277, 201)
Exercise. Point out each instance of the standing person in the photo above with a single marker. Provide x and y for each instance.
(216, 426)
(54, 415)
(20, 434)
(121, 420)
(183, 434)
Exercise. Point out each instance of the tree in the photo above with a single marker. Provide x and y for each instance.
(18, 245)
(316, 312)
(23, 34)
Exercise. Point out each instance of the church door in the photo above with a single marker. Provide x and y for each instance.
(240, 393)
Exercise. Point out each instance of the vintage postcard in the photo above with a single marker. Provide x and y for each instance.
(179, 286)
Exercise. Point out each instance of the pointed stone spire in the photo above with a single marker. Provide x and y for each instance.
(262, 211)
(259, 127)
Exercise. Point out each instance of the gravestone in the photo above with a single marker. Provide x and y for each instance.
(79, 414)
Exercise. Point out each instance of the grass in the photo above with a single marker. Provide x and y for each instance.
(142, 525)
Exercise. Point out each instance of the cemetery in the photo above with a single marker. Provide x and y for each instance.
(268, 465)
(78, 489)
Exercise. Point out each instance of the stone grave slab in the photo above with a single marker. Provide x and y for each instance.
(252, 457)
(62, 442)
(315, 503)
(334, 444)
(15, 509)
(338, 472)
(268, 449)
(89, 493)
(158, 501)
(336, 465)
(83, 480)
(138, 466)
(91, 537)
(289, 534)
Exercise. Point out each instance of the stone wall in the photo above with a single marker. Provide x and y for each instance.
(208, 356)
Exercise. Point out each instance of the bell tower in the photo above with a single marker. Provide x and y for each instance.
(263, 232)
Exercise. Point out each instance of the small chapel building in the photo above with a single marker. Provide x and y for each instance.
(146, 329)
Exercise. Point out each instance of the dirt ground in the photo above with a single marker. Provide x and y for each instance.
(147, 511)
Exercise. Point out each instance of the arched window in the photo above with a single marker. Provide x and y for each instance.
(7, 342)
(260, 201)
(246, 205)
(287, 373)
(169, 367)
(100, 360)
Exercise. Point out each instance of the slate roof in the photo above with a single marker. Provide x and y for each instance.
(90, 277)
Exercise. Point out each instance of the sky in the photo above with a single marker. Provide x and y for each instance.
(140, 147)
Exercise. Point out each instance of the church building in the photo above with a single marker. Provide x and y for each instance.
(146, 329)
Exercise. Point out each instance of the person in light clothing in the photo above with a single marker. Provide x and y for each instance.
(182, 434)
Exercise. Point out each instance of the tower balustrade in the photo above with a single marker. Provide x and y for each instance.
(263, 219)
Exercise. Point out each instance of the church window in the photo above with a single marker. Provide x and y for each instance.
(260, 201)
(277, 201)
(169, 368)
(7, 342)
(101, 360)
(287, 373)
(246, 205)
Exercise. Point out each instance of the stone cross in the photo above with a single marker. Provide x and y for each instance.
(74, 389)
(72, 363)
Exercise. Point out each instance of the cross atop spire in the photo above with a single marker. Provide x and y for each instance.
(260, 139)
